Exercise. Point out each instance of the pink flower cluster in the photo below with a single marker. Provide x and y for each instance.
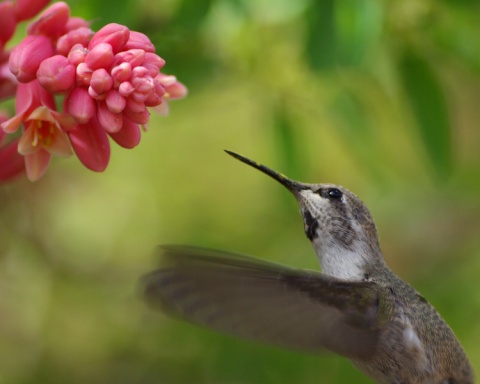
(107, 80)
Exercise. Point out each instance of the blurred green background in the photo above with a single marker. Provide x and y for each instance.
(382, 97)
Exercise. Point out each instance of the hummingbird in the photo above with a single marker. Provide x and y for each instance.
(355, 307)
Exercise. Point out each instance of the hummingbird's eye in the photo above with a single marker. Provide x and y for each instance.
(335, 193)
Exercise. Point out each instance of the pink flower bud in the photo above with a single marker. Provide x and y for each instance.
(115, 101)
(56, 74)
(137, 112)
(155, 98)
(84, 74)
(134, 107)
(114, 34)
(126, 89)
(94, 95)
(134, 57)
(143, 85)
(77, 36)
(26, 57)
(138, 40)
(27, 9)
(101, 82)
(90, 143)
(80, 105)
(129, 136)
(153, 63)
(7, 21)
(101, 56)
(52, 21)
(75, 23)
(139, 97)
(139, 72)
(111, 122)
(77, 54)
(121, 73)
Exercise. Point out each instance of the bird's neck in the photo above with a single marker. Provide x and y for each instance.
(353, 264)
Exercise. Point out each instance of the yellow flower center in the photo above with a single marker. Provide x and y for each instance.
(43, 132)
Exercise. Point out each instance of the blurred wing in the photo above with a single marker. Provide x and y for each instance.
(258, 300)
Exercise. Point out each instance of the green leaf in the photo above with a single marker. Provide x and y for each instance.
(430, 108)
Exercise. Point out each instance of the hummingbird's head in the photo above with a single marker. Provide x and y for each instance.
(338, 224)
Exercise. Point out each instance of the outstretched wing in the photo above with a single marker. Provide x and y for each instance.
(258, 300)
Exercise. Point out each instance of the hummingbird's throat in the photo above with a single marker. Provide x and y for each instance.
(310, 224)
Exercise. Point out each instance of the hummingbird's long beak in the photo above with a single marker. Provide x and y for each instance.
(292, 185)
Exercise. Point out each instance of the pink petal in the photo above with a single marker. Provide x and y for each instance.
(90, 143)
(176, 90)
(162, 109)
(129, 136)
(42, 131)
(29, 96)
(25, 144)
(12, 124)
(3, 118)
(39, 95)
(60, 145)
(65, 120)
(36, 164)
